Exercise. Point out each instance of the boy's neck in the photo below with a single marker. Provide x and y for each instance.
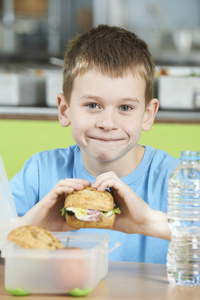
(122, 167)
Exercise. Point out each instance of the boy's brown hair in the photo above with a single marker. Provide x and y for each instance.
(111, 50)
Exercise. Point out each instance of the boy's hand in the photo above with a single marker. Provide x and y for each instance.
(46, 213)
(136, 216)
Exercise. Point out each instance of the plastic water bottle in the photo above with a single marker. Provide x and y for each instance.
(183, 259)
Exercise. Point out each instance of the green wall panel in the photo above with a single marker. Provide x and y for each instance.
(173, 138)
(20, 139)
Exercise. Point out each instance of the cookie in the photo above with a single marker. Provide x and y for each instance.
(33, 237)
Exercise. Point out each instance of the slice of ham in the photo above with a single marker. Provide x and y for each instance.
(91, 214)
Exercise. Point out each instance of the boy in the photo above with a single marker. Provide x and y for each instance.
(108, 100)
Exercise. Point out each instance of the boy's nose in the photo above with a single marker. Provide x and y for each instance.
(107, 121)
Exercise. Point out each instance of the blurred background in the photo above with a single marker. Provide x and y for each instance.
(39, 29)
(33, 38)
(34, 34)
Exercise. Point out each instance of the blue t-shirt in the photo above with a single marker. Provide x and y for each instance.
(149, 180)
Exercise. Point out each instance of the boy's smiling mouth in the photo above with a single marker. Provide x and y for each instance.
(107, 140)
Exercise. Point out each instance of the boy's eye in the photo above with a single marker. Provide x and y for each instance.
(92, 105)
(125, 108)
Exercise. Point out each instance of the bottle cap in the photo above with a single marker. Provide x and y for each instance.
(190, 155)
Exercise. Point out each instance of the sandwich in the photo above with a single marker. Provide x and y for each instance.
(89, 208)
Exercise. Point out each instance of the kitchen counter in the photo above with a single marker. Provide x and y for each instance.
(173, 116)
(27, 113)
(125, 280)
(50, 113)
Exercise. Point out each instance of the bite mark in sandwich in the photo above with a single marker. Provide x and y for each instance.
(90, 208)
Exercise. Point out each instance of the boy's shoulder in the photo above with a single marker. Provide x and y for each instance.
(57, 156)
(160, 161)
(159, 155)
(56, 153)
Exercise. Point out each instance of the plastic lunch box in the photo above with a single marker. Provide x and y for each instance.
(27, 271)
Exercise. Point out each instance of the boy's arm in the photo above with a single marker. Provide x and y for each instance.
(136, 215)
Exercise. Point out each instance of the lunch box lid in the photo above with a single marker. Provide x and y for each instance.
(8, 213)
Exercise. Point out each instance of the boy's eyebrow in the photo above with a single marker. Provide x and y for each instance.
(87, 96)
(94, 97)
(131, 99)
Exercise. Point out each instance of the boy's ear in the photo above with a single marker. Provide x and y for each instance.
(63, 111)
(149, 115)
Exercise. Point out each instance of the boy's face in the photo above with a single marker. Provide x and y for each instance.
(107, 115)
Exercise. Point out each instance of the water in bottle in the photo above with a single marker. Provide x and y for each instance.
(183, 259)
